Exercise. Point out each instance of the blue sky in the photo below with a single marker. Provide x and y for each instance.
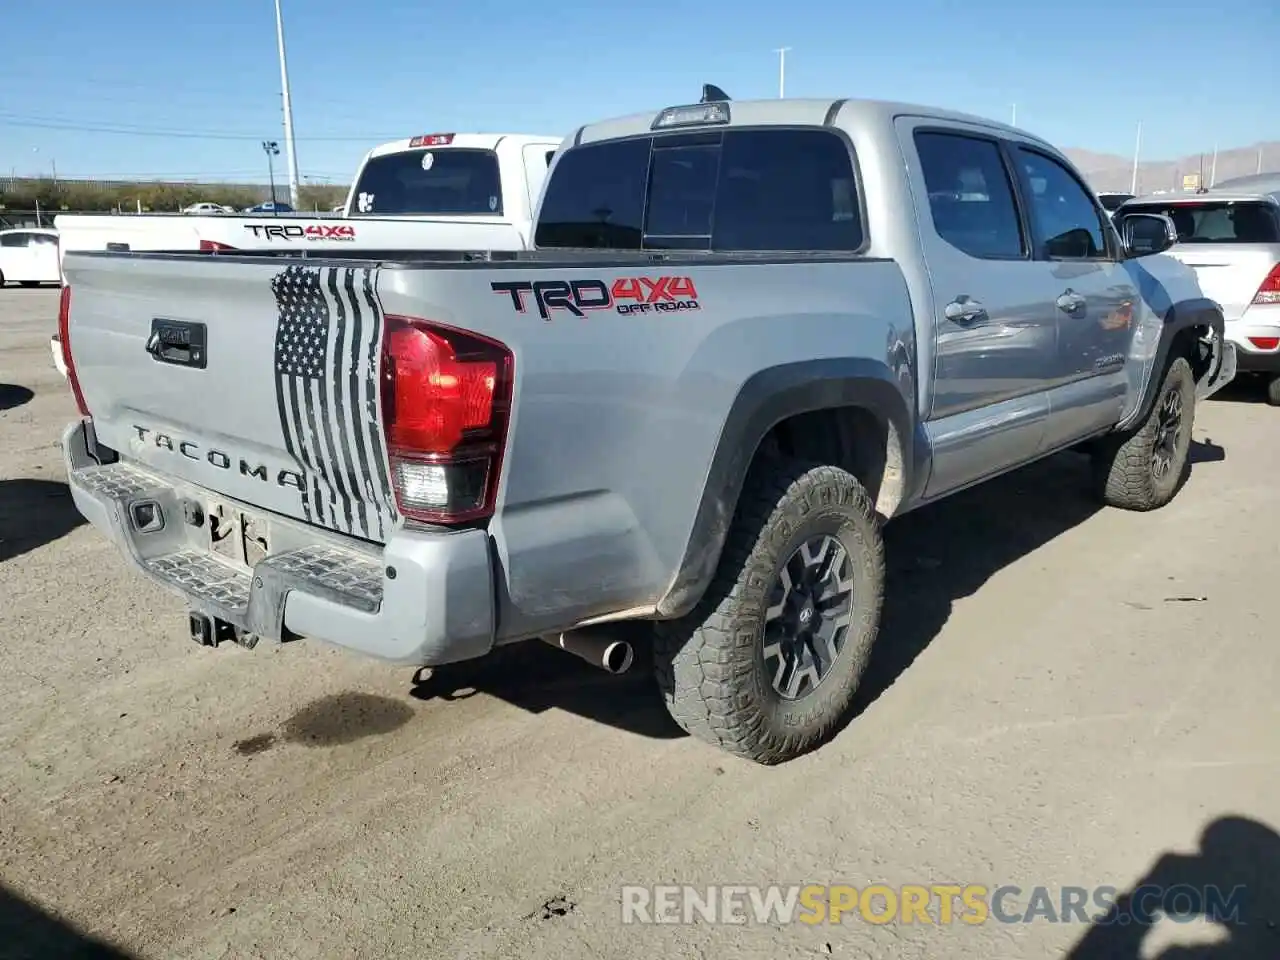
(81, 81)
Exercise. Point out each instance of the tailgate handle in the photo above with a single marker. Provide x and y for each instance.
(177, 342)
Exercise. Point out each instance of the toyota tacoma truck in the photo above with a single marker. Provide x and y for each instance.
(748, 334)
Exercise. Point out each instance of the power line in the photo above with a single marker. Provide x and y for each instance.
(129, 130)
(101, 104)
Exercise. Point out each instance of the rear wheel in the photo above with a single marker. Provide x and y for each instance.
(767, 664)
(1142, 469)
(1273, 390)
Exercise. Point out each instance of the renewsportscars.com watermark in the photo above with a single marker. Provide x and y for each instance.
(938, 904)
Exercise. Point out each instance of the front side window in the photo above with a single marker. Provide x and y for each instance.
(430, 182)
(1066, 223)
(734, 190)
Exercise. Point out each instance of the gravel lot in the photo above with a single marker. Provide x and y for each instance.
(1063, 696)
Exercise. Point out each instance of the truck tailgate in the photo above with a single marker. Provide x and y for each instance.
(258, 381)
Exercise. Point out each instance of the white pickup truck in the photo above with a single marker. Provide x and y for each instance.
(441, 191)
(438, 191)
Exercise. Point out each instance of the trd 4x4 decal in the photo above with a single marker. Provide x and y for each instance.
(293, 231)
(625, 295)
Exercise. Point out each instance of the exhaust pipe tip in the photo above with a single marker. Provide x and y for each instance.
(618, 657)
(601, 649)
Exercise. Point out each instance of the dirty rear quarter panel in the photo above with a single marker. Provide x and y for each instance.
(617, 416)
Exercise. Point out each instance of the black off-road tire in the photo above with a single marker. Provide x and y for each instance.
(1124, 469)
(1273, 390)
(710, 664)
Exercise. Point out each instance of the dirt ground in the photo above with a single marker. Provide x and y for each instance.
(1062, 696)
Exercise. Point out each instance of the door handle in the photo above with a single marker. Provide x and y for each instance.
(177, 342)
(1070, 302)
(965, 310)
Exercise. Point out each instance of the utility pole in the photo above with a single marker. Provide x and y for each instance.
(291, 155)
(272, 149)
(782, 71)
(1259, 170)
(1013, 120)
(1213, 170)
(1137, 149)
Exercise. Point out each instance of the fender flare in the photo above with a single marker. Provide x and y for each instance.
(1193, 312)
(766, 399)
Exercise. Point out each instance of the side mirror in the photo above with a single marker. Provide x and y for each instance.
(1145, 233)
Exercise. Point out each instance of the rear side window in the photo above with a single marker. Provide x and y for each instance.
(970, 195)
(736, 190)
(1221, 222)
(442, 182)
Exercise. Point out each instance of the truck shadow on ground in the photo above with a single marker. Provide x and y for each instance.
(936, 556)
(947, 551)
(12, 395)
(1232, 881)
(1243, 389)
(536, 677)
(27, 932)
(33, 513)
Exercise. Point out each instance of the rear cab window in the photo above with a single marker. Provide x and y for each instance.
(433, 181)
(1224, 221)
(745, 189)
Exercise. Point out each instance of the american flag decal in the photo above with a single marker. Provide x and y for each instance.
(328, 336)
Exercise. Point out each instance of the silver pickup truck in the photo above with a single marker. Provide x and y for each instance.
(750, 332)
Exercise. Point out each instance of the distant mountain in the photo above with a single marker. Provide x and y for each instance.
(1106, 171)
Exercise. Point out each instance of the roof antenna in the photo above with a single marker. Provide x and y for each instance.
(711, 93)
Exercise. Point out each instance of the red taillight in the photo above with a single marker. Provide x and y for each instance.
(1265, 343)
(64, 341)
(446, 396)
(1269, 292)
(213, 246)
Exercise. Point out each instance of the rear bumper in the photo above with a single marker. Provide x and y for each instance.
(1261, 321)
(55, 346)
(425, 598)
(1228, 364)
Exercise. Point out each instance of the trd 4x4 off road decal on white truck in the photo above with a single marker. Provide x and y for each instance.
(294, 231)
(328, 335)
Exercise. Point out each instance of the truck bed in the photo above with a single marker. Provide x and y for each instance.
(656, 350)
